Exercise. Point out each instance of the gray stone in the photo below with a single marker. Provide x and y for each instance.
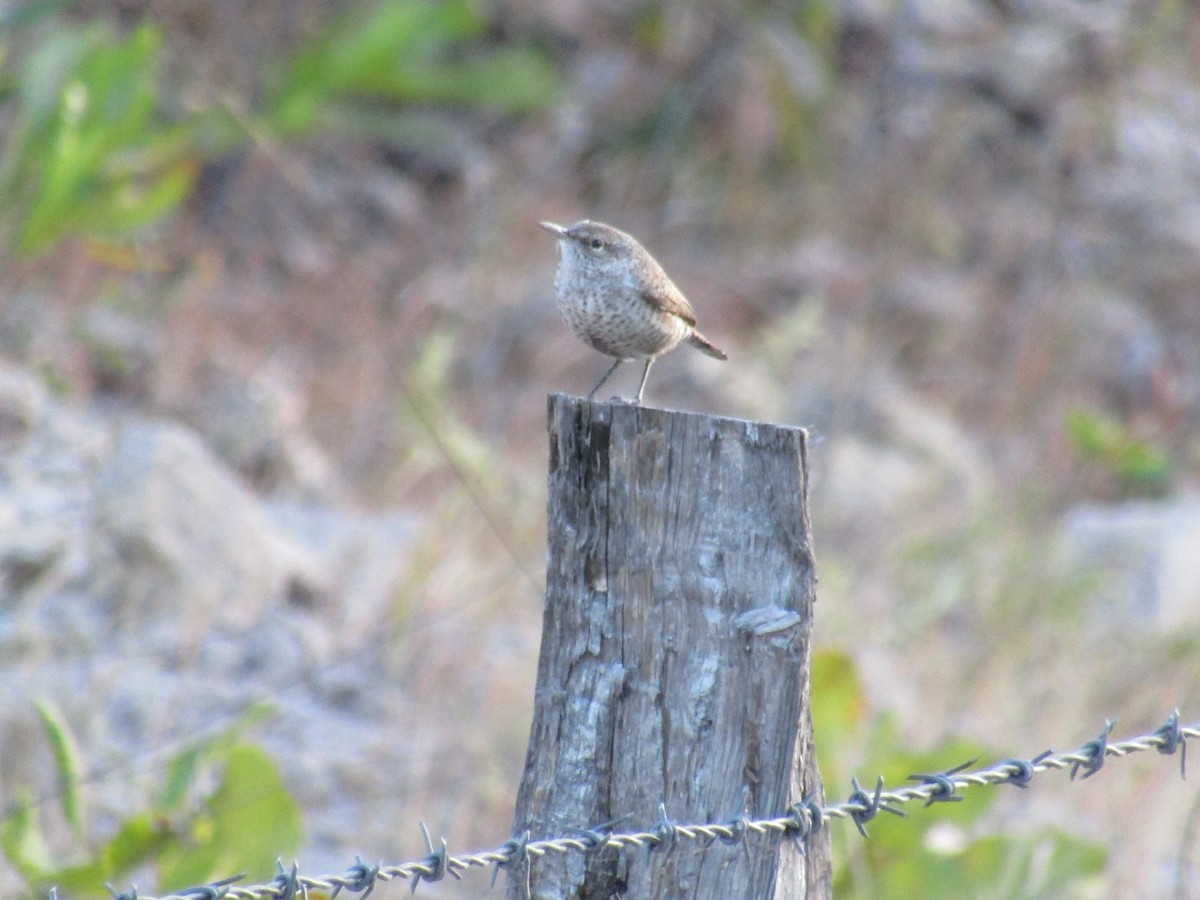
(180, 534)
(153, 597)
(256, 423)
(1148, 554)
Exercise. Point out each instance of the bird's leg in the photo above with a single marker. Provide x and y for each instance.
(600, 383)
(645, 375)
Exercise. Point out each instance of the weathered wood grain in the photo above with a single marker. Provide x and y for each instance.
(675, 653)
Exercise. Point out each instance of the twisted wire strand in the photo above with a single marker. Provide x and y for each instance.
(803, 818)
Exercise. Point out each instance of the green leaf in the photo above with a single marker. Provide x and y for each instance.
(1139, 466)
(135, 202)
(1071, 860)
(250, 816)
(194, 861)
(839, 691)
(181, 776)
(185, 766)
(247, 823)
(67, 762)
(255, 818)
(24, 845)
(88, 149)
(140, 839)
(508, 80)
(1145, 469)
(1092, 434)
(838, 708)
(360, 51)
(407, 52)
(84, 880)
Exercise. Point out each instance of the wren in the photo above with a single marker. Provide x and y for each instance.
(615, 297)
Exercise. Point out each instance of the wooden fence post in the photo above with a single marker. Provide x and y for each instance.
(675, 654)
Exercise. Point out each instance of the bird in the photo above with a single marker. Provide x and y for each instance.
(615, 297)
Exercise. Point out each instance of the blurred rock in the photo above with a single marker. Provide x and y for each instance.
(123, 353)
(357, 549)
(1129, 356)
(25, 318)
(256, 424)
(895, 456)
(46, 491)
(176, 531)
(1147, 553)
(22, 399)
(948, 19)
(140, 517)
(153, 596)
(862, 479)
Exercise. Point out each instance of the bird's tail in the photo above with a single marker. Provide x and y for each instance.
(700, 342)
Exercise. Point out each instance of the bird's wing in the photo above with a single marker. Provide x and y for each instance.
(670, 299)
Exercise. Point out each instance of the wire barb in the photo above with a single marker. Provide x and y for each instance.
(287, 884)
(435, 865)
(359, 878)
(215, 890)
(666, 833)
(1023, 769)
(805, 818)
(1172, 738)
(1093, 752)
(734, 830)
(864, 807)
(514, 852)
(592, 839)
(944, 788)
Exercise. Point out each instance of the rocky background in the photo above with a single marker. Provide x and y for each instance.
(287, 443)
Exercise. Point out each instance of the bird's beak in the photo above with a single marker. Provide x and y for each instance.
(557, 230)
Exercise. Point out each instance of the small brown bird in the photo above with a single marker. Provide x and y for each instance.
(616, 297)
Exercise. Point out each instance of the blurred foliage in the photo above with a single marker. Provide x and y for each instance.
(438, 435)
(944, 851)
(223, 808)
(91, 146)
(88, 148)
(1139, 468)
(995, 568)
(416, 52)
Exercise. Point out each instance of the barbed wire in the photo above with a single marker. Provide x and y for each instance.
(800, 821)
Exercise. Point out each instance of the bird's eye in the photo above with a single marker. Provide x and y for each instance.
(597, 243)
